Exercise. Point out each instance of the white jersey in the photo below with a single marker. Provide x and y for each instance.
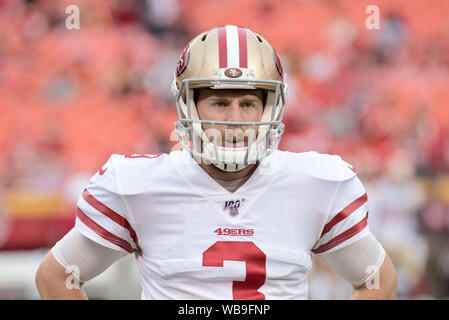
(193, 239)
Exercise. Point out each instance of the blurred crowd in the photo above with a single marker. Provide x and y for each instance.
(378, 98)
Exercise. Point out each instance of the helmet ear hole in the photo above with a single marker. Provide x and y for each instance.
(195, 96)
(204, 36)
(264, 97)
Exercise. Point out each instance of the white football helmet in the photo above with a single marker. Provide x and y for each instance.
(229, 57)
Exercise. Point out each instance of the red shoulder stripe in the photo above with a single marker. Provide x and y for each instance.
(105, 234)
(353, 206)
(108, 212)
(343, 236)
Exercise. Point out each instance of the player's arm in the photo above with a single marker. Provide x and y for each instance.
(51, 281)
(367, 266)
(386, 287)
(74, 260)
(102, 234)
(346, 242)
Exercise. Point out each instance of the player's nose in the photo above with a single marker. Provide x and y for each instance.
(234, 112)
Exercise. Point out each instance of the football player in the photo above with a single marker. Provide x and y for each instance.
(229, 216)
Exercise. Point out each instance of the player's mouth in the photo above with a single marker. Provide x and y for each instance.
(234, 142)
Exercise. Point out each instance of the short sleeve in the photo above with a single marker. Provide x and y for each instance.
(347, 219)
(102, 215)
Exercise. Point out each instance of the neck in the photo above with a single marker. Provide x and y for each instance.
(219, 174)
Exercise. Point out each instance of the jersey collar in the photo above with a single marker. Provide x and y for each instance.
(200, 181)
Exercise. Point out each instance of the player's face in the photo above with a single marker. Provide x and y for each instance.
(230, 105)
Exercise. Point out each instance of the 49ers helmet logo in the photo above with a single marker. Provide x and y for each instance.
(233, 72)
(183, 60)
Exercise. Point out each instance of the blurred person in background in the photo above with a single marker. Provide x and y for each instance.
(434, 225)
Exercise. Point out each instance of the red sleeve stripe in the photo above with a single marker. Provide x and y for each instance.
(108, 212)
(343, 236)
(353, 206)
(105, 234)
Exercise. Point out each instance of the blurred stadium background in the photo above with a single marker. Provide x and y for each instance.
(379, 98)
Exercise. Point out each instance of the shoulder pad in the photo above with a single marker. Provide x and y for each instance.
(134, 172)
(326, 166)
(125, 174)
(134, 160)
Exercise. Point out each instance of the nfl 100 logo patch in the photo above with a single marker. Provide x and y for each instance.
(233, 206)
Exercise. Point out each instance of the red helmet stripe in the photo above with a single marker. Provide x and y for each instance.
(243, 54)
(222, 47)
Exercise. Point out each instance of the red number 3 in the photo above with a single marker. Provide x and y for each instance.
(240, 251)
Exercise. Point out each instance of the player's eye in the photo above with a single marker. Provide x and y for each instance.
(219, 104)
(247, 104)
